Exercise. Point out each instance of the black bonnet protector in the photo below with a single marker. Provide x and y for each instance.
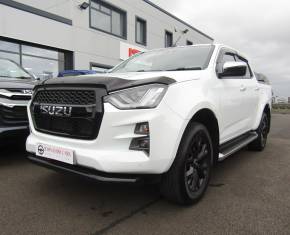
(110, 83)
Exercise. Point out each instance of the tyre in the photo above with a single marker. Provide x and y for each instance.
(263, 130)
(188, 178)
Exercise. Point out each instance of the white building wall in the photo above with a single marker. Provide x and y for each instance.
(89, 45)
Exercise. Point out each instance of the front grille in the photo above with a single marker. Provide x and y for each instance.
(68, 97)
(86, 112)
(13, 115)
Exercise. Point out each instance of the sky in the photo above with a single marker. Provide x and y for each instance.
(260, 29)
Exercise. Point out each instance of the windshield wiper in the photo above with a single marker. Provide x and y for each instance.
(185, 69)
(142, 70)
(20, 77)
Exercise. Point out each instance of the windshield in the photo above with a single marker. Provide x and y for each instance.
(170, 59)
(9, 69)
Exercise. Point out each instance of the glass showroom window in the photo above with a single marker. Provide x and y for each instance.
(141, 34)
(107, 18)
(9, 50)
(43, 63)
(168, 39)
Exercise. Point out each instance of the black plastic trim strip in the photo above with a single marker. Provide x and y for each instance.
(87, 172)
(236, 140)
(33, 10)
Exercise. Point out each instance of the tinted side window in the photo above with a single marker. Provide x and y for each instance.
(224, 56)
(249, 72)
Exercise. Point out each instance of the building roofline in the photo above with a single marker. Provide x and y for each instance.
(176, 18)
(35, 11)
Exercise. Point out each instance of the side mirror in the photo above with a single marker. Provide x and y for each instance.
(234, 69)
(35, 77)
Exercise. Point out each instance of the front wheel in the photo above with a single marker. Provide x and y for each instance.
(263, 130)
(188, 177)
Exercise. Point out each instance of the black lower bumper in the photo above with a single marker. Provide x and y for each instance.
(87, 172)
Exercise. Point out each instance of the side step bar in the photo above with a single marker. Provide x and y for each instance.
(235, 145)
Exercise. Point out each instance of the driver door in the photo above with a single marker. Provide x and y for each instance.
(233, 105)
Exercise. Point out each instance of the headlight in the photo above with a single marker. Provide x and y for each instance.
(141, 97)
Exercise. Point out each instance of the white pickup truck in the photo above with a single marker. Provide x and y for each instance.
(166, 114)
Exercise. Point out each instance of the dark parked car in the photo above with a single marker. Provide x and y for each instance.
(16, 85)
(68, 73)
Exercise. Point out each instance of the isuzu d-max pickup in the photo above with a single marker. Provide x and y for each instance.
(16, 86)
(167, 114)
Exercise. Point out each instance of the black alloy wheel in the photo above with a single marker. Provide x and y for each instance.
(198, 164)
(259, 144)
(188, 178)
(264, 130)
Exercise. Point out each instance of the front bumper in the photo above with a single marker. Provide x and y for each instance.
(90, 173)
(13, 135)
(13, 130)
(110, 153)
(13, 118)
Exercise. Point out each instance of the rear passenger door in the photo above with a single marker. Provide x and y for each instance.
(234, 106)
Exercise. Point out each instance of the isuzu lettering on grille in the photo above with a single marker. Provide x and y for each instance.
(59, 111)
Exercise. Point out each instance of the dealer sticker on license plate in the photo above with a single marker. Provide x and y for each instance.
(55, 153)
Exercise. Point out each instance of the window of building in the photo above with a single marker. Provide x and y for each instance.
(43, 63)
(9, 46)
(40, 52)
(168, 39)
(189, 43)
(10, 56)
(141, 31)
(9, 50)
(107, 18)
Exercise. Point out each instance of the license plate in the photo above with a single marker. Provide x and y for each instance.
(55, 153)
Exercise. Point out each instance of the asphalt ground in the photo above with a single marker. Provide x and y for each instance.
(249, 194)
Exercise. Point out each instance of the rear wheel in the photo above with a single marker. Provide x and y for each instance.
(260, 143)
(188, 177)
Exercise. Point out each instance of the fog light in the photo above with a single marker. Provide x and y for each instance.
(142, 128)
(141, 143)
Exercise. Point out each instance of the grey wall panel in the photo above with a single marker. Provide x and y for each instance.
(90, 45)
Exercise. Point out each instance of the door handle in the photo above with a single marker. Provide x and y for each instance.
(243, 88)
(257, 88)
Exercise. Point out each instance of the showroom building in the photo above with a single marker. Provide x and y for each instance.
(46, 37)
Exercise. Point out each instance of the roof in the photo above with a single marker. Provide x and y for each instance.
(176, 18)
